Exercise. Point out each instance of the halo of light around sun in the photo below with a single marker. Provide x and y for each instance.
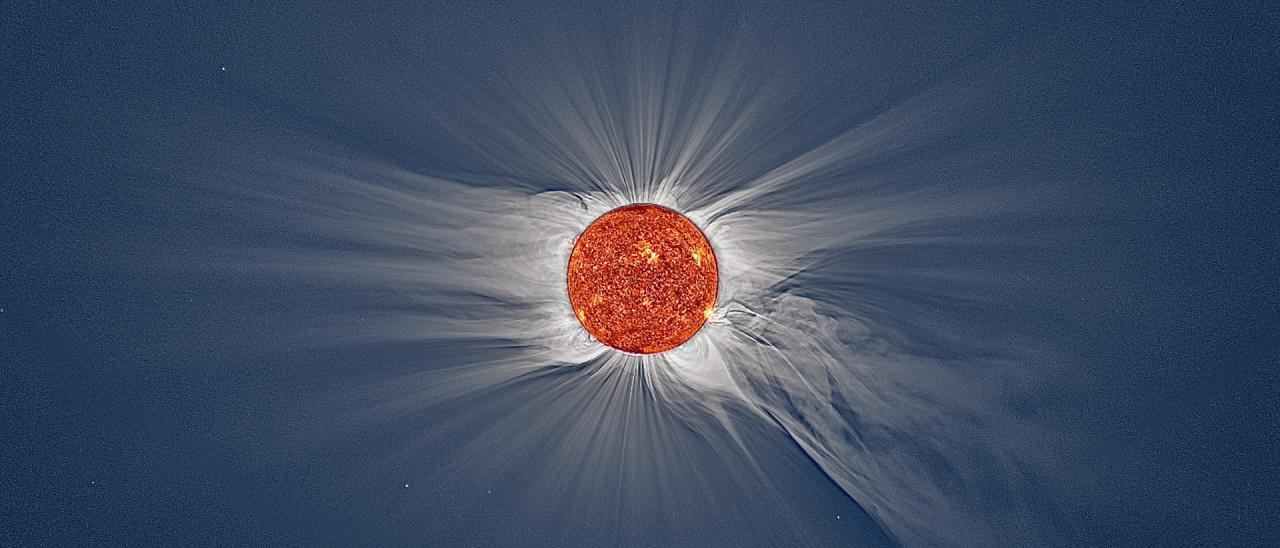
(834, 353)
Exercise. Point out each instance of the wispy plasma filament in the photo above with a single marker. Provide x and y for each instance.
(642, 279)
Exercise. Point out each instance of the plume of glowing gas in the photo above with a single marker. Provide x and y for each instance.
(833, 273)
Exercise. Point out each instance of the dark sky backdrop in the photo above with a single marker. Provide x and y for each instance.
(143, 405)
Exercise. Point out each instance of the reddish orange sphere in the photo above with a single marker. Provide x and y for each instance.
(642, 279)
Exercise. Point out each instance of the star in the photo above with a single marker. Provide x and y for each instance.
(642, 279)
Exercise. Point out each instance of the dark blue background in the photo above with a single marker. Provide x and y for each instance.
(141, 406)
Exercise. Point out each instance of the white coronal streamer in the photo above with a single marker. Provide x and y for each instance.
(924, 445)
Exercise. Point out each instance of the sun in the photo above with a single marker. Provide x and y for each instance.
(642, 279)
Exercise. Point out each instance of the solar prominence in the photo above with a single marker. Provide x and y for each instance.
(642, 279)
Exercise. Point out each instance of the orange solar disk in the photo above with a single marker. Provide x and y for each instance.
(642, 279)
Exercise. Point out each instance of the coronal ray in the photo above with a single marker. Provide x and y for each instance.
(831, 305)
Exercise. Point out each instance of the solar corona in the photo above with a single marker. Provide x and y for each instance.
(642, 279)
